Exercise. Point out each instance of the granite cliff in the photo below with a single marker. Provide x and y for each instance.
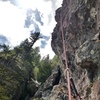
(80, 20)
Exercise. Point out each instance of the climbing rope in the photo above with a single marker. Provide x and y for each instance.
(67, 69)
(69, 81)
(66, 62)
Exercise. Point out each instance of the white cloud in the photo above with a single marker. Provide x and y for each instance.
(12, 20)
(12, 23)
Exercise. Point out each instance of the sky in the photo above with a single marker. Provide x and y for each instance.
(20, 17)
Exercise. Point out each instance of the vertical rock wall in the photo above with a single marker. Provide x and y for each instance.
(81, 26)
(80, 21)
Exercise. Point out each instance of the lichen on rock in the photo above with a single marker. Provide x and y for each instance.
(80, 20)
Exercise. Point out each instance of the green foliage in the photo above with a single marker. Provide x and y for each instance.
(36, 72)
(9, 82)
(44, 69)
(54, 61)
(19, 65)
(4, 47)
(29, 62)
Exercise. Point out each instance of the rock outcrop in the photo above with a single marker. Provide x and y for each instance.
(80, 21)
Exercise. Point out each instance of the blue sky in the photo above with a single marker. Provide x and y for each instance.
(19, 17)
(3, 40)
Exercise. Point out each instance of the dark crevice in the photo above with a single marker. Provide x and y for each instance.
(92, 72)
(88, 91)
(57, 78)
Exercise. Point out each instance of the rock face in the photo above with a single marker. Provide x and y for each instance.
(53, 88)
(80, 21)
